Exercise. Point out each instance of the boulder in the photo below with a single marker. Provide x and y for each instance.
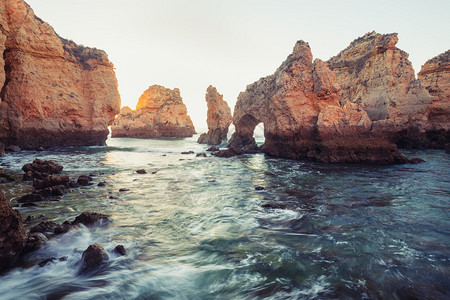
(34, 197)
(40, 167)
(160, 112)
(120, 249)
(50, 181)
(54, 92)
(13, 236)
(218, 119)
(91, 218)
(93, 257)
(84, 180)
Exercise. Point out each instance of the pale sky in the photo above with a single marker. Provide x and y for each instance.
(190, 44)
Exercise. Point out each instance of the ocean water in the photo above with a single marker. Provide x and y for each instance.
(198, 229)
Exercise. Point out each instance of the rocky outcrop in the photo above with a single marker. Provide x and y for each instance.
(378, 77)
(435, 77)
(160, 112)
(93, 257)
(299, 106)
(13, 236)
(53, 92)
(218, 119)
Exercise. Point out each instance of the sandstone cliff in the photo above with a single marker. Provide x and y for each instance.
(435, 77)
(377, 76)
(299, 106)
(53, 92)
(160, 112)
(218, 119)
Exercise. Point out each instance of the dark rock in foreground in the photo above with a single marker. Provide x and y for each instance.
(92, 258)
(13, 236)
(120, 249)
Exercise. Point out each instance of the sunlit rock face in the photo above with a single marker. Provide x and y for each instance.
(299, 106)
(53, 92)
(373, 73)
(160, 112)
(435, 77)
(219, 118)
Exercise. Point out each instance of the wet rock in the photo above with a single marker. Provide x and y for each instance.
(273, 205)
(13, 148)
(187, 152)
(53, 191)
(50, 260)
(93, 257)
(212, 149)
(50, 181)
(154, 172)
(47, 228)
(29, 204)
(34, 242)
(201, 155)
(91, 218)
(84, 180)
(5, 177)
(102, 183)
(123, 190)
(31, 198)
(416, 160)
(73, 184)
(230, 152)
(29, 219)
(13, 236)
(49, 167)
(120, 249)
(141, 171)
(63, 228)
(259, 188)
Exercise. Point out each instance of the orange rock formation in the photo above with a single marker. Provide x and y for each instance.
(218, 120)
(53, 92)
(160, 112)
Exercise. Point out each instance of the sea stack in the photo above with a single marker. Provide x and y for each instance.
(218, 119)
(53, 92)
(159, 113)
(299, 106)
(378, 77)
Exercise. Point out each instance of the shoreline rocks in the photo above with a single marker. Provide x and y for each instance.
(93, 257)
(159, 113)
(38, 108)
(219, 118)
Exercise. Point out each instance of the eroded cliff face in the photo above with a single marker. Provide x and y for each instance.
(374, 74)
(299, 106)
(54, 92)
(435, 77)
(219, 118)
(160, 112)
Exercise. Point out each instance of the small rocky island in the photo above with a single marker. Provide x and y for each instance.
(218, 119)
(159, 113)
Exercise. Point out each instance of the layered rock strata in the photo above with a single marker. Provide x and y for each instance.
(378, 77)
(159, 113)
(299, 106)
(435, 77)
(219, 118)
(53, 92)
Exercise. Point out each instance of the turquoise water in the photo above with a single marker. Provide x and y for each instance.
(196, 229)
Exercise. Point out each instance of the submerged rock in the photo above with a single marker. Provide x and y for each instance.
(160, 112)
(13, 236)
(141, 171)
(93, 257)
(54, 92)
(219, 118)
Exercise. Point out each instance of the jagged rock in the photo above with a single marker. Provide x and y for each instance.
(120, 249)
(218, 118)
(40, 169)
(435, 77)
(50, 181)
(212, 149)
(91, 218)
(84, 180)
(47, 228)
(34, 242)
(92, 258)
(34, 197)
(160, 112)
(54, 191)
(13, 236)
(378, 77)
(13, 148)
(299, 106)
(230, 152)
(50, 260)
(54, 92)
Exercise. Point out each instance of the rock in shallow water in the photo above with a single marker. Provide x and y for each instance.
(92, 258)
